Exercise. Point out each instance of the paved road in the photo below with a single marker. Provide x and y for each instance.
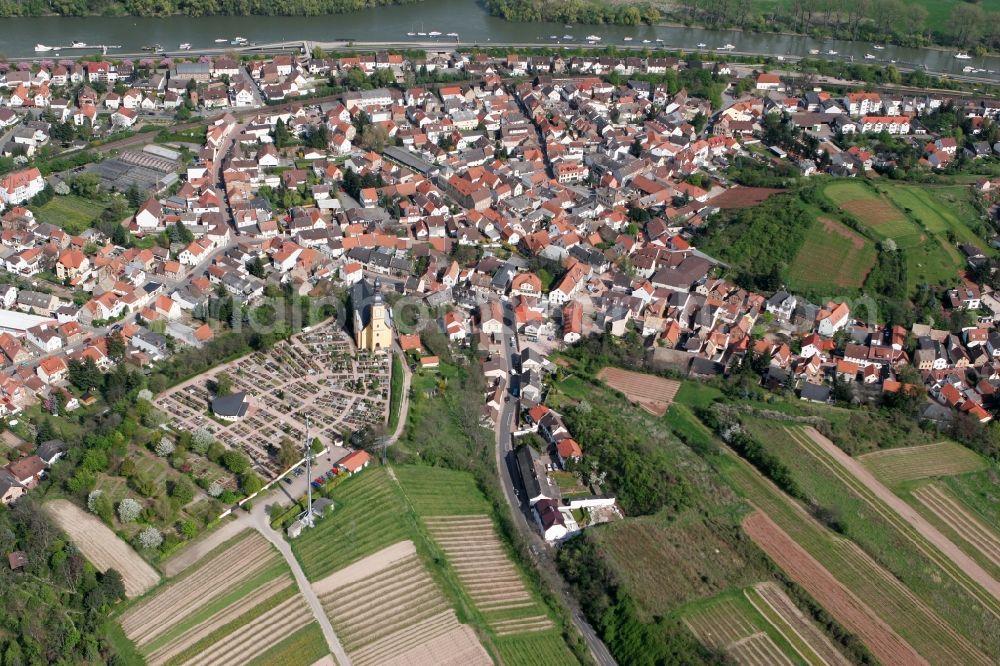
(542, 553)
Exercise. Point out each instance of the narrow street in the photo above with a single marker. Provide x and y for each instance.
(542, 554)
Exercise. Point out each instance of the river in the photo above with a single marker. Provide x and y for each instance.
(467, 18)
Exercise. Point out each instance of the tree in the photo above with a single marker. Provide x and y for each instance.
(250, 483)
(201, 439)
(113, 585)
(214, 489)
(288, 454)
(129, 510)
(182, 491)
(236, 462)
(223, 384)
(255, 267)
(374, 137)
(85, 375)
(86, 185)
(164, 447)
(150, 538)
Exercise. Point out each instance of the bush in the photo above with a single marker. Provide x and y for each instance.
(214, 489)
(201, 439)
(150, 538)
(236, 462)
(164, 447)
(129, 510)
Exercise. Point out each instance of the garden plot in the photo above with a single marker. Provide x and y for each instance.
(895, 466)
(652, 393)
(487, 573)
(724, 625)
(318, 374)
(102, 547)
(246, 560)
(386, 609)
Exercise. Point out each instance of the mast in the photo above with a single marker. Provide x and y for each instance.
(308, 518)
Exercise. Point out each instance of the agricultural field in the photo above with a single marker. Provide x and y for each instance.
(896, 466)
(886, 645)
(239, 601)
(935, 569)
(370, 514)
(387, 609)
(929, 259)
(957, 519)
(487, 574)
(843, 578)
(70, 212)
(874, 211)
(538, 649)
(833, 256)
(436, 491)
(802, 634)
(940, 209)
(652, 393)
(732, 625)
(668, 563)
(102, 547)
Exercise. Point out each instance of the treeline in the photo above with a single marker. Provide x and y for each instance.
(56, 607)
(573, 11)
(896, 21)
(188, 7)
(613, 613)
(758, 242)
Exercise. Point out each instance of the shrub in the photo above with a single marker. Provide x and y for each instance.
(201, 439)
(164, 447)
(214, 489)
(129, 510)
(150, 538)
(92, 500)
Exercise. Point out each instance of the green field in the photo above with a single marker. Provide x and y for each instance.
(882, 593)
(70, 212)
(538, 649)
(884, 535)
(931, 258)
(436, 491)
(731, 618)
(832, 257)
(370, 514)
(305, 646)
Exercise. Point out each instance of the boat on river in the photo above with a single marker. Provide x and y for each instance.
(221, 40)
(701, 45)
(42, 48)
(877, 47)
(79, 45)
(186, 46)
(961, 55)
(434, 33)
(725, 47)
(593, 38)
(869, 56)
(628, 39)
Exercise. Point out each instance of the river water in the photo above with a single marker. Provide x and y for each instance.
(465, 17)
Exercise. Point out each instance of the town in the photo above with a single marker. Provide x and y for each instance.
(242, 243)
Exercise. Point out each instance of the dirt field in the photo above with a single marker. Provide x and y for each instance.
(156, 616)
(894, 466)
(966, 525)
(850, 611)
(652, 393)
(743, 197)
(725, 626)
(102, 547)
(951, 558)
(475, 551)
(268, 629)
(804, 628)
(392, 612)
(230, 613)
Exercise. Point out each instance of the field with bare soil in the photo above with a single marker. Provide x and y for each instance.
(960, 520)
(487, 574)
(895, 466)
(811, 643)
(652, 393)
(861, 594)
(850, 611)
(725, 625)
(240, 562)
(386, 609)
(102, 547)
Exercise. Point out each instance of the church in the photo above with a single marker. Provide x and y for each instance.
(372, 320)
